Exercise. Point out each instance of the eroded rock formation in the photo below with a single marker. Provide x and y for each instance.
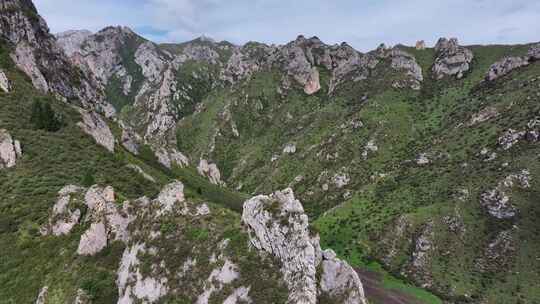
(279, 226)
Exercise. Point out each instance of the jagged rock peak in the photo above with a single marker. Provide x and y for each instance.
(452, 59)
(37, 54)
(279, 226)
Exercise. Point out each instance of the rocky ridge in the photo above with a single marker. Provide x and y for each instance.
(36, 52)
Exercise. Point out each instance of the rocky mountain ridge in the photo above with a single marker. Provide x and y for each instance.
(420, 159)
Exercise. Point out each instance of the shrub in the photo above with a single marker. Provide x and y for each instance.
(43, 117)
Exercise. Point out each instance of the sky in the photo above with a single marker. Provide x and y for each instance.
(364, 24)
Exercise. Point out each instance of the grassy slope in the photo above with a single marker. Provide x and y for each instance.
(359, 228)
(386, 184)
(29, 261)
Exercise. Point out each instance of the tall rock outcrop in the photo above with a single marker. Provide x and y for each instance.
(452, 59)
(37, 54)
(5, 85)
(279, 226)
(10, 150)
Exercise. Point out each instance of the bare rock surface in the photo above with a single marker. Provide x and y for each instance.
(10, 150)
(210, 171)
(497, 201)
(279, 226)
(5, 85)
(505, 66)
(63, 217)
(93, 125)
(38, 55)
(452, 59)
(402, 60)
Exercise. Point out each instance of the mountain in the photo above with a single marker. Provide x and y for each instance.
(142, 172)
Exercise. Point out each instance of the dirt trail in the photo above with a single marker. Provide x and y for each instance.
(377, 294)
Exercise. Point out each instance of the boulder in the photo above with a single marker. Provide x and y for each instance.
(420, 45)
(452, 59)
(10, 150)
(4, 82)
(505, 66)
(93, 125)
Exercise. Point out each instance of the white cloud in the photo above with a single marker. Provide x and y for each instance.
(364, 24)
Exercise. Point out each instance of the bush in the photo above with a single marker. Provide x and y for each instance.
(43, 117)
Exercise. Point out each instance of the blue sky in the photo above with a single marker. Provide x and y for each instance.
(362, 23)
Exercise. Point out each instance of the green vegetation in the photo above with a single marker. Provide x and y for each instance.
(43, 117)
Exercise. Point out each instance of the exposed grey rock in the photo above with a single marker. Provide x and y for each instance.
(239, 295)
(505, 66)
(313, 84)
(132, 286)
(534, 52)
(10, 150)
(278, 225)
(484, 115)
(42, 296)
(402, 60)
(423, 159)
(130, 139)
(291, 244)
(4, 82)
(93, 240)
(289, 149)
(452, 59)
(340, 280)
(170, 195)
(170, 157)
(96, 127)
(499, 253)
(63, 219)
(210, 171)
(370, 147)
(421, 256)
(71, 41)
(37, 54)
(497, 201)
(141, 172)
(82, 297)
(420, 45)
(510, 138)
(217, 279)
(341, 180)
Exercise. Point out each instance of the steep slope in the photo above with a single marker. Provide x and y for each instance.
(422, 160)
(78, 224)
(372, 140)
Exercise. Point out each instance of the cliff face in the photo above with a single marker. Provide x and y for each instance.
(36, 52)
